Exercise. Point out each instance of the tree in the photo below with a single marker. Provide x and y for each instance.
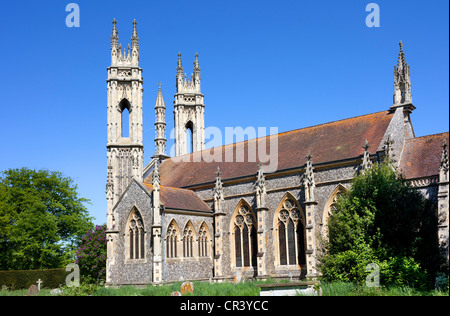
(42, 219)
(382, 220)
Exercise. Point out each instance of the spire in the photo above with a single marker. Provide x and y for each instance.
(114, 36)
(179, 65)
(159, 98)
(196, 76)
(135, 38)
(179, 73)
(160, 125)
(402, 80)
(196, 64)
(367, 163)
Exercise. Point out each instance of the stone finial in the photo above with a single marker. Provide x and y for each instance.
(115, 32)
(444, 168)
(114, 36)
(135, 38)
(180, 64)
(260, 187)
(367, 163)
(156, 177)
(196, 63)
(308, 180)
(309, 169)
(388, 149)
(218, 191)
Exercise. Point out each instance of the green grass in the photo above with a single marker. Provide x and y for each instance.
(229, 289)
(349, 289)
(200, 289)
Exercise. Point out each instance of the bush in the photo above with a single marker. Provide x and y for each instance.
(20, 280)
(403, 271)
(385, 221)
(442, 282)
(91, 256)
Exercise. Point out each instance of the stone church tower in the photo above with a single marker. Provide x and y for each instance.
(125, 148)
(189, 111)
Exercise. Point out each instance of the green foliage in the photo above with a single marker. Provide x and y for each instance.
(85, 289)
(382, 220)
(41, 219)
(91, 256)
(352, 289)
(17, 280)
(442, 282)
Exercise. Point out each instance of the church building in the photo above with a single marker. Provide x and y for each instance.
(190, 217)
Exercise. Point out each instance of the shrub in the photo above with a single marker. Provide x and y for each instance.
(91, 256)
(19, 280)
(385, 221)
(442, 282)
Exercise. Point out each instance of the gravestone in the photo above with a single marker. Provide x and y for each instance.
(33, 290)
(56, 292)
(237, 277)
(39, 282)
(176, 294)
(187, 287)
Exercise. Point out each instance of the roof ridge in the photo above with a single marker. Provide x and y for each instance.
(341, 120)
(282, 133)
(431, 135)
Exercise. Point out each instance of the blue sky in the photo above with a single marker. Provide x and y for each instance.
(288, 64)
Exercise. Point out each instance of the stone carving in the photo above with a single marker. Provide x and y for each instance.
(308, 180)
(366, 163)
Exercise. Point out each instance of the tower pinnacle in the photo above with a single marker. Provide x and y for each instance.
(402, 80)
(135, 38)
(114, 36)
(160, 126)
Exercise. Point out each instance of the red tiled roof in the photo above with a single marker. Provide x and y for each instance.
(327, 142)
(422, 156)
(181, 199)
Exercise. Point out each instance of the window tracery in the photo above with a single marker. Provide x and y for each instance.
(245, 239)
(291, 233)
(136, 234)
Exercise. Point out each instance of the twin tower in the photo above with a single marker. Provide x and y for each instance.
(125, 95)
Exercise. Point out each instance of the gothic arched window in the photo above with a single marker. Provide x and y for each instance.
(136, 235)
(244, 235)
(203, 241)
(188, 240)
(125, 109)
(290, 227)
(189, 137)
(172, 240)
